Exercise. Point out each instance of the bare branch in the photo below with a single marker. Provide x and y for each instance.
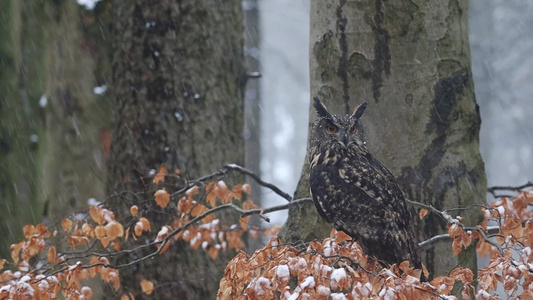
(519, 188)
(254, 176)
(224, 172)
(352, 262)
(425, 245)
(446, 217)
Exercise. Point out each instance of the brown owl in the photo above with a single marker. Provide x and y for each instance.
(355, 192)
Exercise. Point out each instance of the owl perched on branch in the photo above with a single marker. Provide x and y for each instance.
(355, 192)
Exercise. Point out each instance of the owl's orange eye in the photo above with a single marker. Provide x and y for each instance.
(331, 128)
(354, 129)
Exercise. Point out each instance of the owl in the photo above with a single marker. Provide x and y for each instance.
(355, 192)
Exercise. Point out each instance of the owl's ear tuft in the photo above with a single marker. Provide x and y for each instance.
(321, 109)
(358, 112)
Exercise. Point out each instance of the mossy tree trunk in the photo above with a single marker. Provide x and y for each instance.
(77, 121)
(22, 82)
(178, 79)
(411, 62)
(51, 153)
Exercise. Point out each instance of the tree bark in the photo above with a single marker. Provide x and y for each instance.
(411, 62)
(77, 121)
(22, 77)
(51, 122)
(252, 110)
(178, 81)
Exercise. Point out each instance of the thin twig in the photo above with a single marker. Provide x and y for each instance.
(352, 262)
(243, 213)
(446, 217)
(199, 181)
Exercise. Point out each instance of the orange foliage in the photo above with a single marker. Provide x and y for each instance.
(326, 269)
(334, 268)
(323, 272)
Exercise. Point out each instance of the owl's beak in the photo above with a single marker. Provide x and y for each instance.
(345, 138)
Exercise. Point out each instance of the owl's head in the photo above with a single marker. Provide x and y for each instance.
(338, 130)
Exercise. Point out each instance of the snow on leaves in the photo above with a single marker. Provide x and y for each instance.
(337, 269)
(330, 269)
(30, 283)
(195, 222)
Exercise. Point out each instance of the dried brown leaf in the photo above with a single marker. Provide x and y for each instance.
(51, 255)
(96, 214)
(160, 176)
(462, 274)
(423, 212)
(147, 286)
(28, 231)
(146, 224)
(244, 222)
(134, 210)
(66, 224)
(162, 198)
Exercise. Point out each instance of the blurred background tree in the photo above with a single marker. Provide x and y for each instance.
(178, 82)
(53, 127)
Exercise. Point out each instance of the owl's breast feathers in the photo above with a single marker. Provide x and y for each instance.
(359, 195)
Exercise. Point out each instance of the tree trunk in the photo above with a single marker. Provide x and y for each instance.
(51, 122)
(252, 110)
(23, 78)
(178, 81)
(77, 121)
(411, 62)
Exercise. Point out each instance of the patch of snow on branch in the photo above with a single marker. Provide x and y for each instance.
(100, 90)
(43, 101)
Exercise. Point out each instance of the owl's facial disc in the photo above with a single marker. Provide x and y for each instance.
(342, 135)
(347, 137)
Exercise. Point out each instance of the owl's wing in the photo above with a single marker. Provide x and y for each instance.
(371, 177)
(317, 187)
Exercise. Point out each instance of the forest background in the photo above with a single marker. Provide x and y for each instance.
(58, 63)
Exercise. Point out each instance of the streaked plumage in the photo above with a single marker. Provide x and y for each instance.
(356, 193)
